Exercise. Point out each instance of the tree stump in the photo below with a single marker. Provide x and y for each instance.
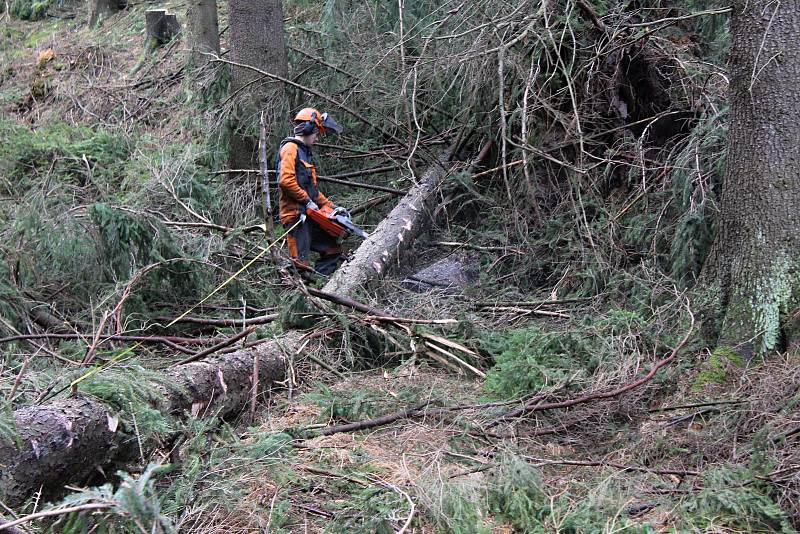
(162, 27)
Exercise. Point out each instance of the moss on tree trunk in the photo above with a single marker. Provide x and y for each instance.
(752, 276)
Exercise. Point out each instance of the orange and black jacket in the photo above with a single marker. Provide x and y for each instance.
(297, 179)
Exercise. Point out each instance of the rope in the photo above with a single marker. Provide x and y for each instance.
(216, 290)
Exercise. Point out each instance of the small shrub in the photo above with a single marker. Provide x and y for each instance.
(516, 495)
(63, 151)
(532, 358)
(29, 9)
(134, 507)
(732, 498)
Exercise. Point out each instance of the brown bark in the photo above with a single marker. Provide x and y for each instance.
(256, 40)
(68, 440)
(203, 27)
(99, 10)
(752, 275)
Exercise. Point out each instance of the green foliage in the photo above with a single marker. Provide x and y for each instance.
(459, 509)
(266, 446)
(206, 449)
(294, 312)
(532, 358)
(696, 178)
(129, 242)
(10, 298)
(368, 510)
(516, 495)
(133, 507)
(127, 389)
(29, 9)
(355, 405)
(8, 427)
(732, 498)
(716, 368)
(183, 488)
(596, 511)
(76, 154)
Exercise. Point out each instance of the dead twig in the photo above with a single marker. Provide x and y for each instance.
(360, 185)
(414, 411)
(221, 345)
(222, 323)
(51, 513)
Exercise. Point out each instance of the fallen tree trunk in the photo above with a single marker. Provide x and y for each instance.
(393, 235)
(397, 232)
(69, 440)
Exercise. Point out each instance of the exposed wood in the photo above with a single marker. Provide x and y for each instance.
(392, 236)
(397, 232)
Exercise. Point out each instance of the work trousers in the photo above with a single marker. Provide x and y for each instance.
(309, 236)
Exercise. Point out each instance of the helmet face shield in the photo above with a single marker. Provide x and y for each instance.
(329, 124)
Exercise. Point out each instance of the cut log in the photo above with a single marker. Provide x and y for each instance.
(68, 440)
(392, 236)
(162, 27)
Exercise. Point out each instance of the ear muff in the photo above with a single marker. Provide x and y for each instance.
(307, 127)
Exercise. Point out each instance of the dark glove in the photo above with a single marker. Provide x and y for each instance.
(311, 205)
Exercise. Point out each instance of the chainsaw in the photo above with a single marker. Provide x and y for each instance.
(335, 222)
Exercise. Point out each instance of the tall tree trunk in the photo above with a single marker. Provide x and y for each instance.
(257, 40)
(101, 9)
(752, 274)
(203, 29)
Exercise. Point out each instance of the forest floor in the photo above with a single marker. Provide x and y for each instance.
(708, 445)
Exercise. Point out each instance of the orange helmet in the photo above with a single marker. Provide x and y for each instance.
(310, 120)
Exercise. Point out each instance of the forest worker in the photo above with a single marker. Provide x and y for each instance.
(297, 179)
